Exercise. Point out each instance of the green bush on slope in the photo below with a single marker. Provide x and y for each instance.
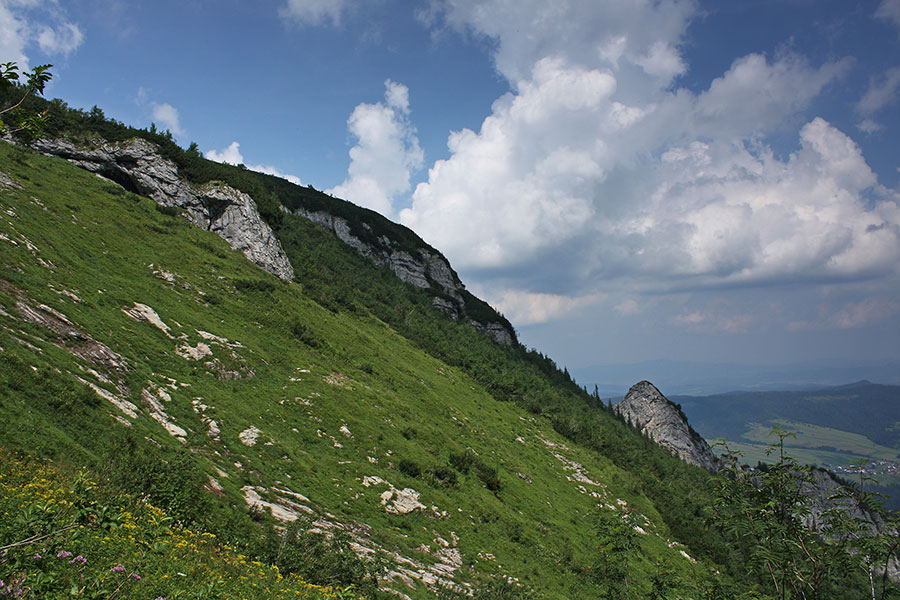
(63, 536)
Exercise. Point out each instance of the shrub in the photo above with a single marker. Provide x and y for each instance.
(443, 475)
(462, 461)
(171, 211)
(326, 560)
(410, 468)
(305, 334)
(171, 481)
(254, 285)
(488, 476)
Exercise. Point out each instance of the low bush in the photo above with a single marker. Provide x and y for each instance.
(305, 334)
(442, 475)
(462, 461)
(325, 560)
(410, 468)
(254, 285)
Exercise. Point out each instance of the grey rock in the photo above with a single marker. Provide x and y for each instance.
(496, 331)
(420, 267)
(408, 269)
(656, 416)
(137, 165)
(822, 490)
(446, 307)
(439, 271)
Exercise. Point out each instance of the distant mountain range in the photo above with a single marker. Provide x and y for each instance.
(699, 379)
(862, 408)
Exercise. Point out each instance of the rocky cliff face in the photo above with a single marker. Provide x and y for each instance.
(137, 166)
(420, 267)
(646, 408)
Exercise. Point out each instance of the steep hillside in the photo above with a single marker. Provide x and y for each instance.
(130, 336)
(336, 270)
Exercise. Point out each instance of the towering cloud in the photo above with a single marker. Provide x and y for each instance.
(598, 155)
(386, 152)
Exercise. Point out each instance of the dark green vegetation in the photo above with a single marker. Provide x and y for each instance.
(148, 352)
(63, 536)
(18, 88)
(834, 427)
(766, 516)
(864, 408)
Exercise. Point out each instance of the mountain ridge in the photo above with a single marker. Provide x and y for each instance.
(138, 166)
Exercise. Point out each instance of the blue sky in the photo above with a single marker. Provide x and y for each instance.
(623, 179)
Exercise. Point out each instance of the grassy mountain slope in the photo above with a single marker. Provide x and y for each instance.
(345, 283)
(130, 337)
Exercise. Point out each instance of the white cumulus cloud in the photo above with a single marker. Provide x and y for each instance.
(597, 172)
(641, 36)
(167, 116)
(755, 95)
(889, 10)
(61, 40)
(525, 308)
(13, 36)
(881, 93)
(24, 23)
(386, 152)
(231, 155)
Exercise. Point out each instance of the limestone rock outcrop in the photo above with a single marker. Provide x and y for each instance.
(655, 415)
(138, 166)
(420, 267)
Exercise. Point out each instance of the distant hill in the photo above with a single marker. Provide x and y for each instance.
(834, 427)
(700, 379)
(864, 408)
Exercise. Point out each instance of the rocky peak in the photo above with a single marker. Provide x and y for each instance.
(663, 421)
(138, 166)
